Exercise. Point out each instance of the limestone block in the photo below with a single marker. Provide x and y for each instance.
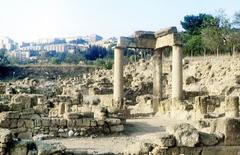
(53, 112)
(19, 149)
(13, 123)
(28, 124)
(185, 134)
(24, 99)
(79, 123)
(221, 150)
(70, 133)
(46, 122)
(37, 122)
(71, 115)
(208, 139)
(16, 106)
(117, 128)
(164, 140)
(191, 80)
(144, 34)
(61, 108)
(165, 31)
(100, 122)
(5, 136)
(139, 148)
(190, 151)
(113, 121)
(45, 148)
(55, 122)
(5, 123)
(237, 79)
(86, 122)
(99, 115)
(206, 105)
(20, 123)
(166, 151)
(87, 115)
(27, 114)
(19, 129)
(12, 114)
(62, 122)
(93, 123)
(168, 40)
(55, 129)
(25, 135)
(230, 127)
(232, 106)
(71, 123)
(35, 117)
(138, 42)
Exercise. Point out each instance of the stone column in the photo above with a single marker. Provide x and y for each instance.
(232, 106)
(177, 79)
(157, 79)
(118, 77)
(61, 109)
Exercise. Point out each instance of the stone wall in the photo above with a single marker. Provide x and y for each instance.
(43, 71)
(28, 124)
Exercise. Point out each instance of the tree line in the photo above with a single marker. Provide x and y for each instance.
(208, 34)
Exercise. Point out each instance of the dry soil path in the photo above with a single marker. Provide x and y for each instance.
(135, 130)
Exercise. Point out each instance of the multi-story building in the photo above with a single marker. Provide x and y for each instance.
(51, 41)
(57, 47)
(23, 55)
(7, 43)
(33, 48)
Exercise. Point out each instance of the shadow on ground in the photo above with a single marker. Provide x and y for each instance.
(136, 128)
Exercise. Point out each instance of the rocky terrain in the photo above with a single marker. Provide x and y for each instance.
(76, 115)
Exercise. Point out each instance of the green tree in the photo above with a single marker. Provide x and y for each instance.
(104, 63)
(54, 61)
(74, 58)
(194, 45)
(194, 23)
(192, 38)
(3, 57)
(12, 60)
(212, 39)
(236, 20)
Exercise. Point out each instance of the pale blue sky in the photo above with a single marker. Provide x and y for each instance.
(32, 19)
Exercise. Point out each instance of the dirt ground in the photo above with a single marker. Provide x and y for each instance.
(136, 130)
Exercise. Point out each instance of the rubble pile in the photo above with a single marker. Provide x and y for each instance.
(61, 111)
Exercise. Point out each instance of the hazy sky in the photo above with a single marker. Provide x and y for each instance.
(33, 19)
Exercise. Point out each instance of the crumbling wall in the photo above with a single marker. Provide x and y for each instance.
(43, 71)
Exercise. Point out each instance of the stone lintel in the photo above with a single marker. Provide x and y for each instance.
(144, 34)
(168, 40)
(140, 42)
(165, 31)
(125, 42)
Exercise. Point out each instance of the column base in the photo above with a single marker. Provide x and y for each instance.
(156, 102)
(177, 99)
(118, 104)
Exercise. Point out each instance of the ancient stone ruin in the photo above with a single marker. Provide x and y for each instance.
(156, 41)
(156, 106)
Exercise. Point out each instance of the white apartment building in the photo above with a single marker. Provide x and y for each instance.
(57, 47)
(34, 48)
(7, 43)
(23, 56)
